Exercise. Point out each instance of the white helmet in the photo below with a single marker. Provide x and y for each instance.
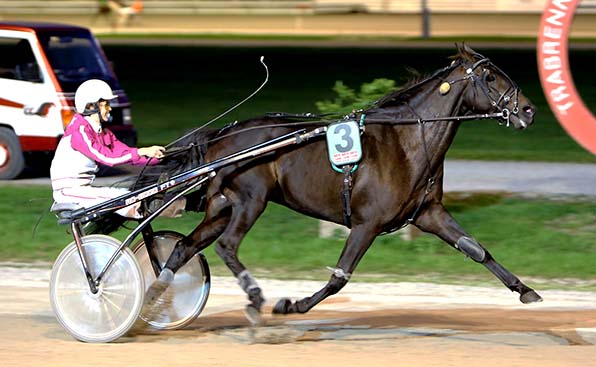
(92, 91)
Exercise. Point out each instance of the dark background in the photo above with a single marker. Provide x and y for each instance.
(175, 88)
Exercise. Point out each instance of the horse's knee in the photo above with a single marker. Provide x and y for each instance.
(471, 248)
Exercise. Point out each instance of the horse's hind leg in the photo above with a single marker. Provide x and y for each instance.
(358, 242)
(217, 217)
(437, 220)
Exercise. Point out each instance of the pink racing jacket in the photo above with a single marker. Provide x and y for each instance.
(82, 148)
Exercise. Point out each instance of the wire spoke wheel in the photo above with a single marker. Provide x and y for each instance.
(109, 313)
(188, 292)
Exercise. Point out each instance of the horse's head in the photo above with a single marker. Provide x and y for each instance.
(490, 90)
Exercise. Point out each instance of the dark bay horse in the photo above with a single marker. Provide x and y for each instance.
(399, 179)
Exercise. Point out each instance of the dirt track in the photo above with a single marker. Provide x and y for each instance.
(365, 325)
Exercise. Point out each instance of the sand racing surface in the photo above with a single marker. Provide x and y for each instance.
(390, 324)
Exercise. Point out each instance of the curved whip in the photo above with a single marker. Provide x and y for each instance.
(230, 109)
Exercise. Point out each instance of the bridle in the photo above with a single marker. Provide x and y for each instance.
(498, 100)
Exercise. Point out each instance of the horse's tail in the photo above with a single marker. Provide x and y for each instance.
(183, 156)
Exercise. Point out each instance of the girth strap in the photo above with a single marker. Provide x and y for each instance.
(346, 194)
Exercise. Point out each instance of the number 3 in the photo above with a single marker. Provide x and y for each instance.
(349, 142)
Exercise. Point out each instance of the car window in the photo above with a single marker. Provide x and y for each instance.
(74, 58)
(17, 61)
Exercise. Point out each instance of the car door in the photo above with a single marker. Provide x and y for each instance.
(28, 94)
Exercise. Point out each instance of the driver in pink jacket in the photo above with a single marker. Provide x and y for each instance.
(85, 144)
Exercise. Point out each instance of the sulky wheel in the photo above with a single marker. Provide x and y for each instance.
(189, 290)
(111, 312)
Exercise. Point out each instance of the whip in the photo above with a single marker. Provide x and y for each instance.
(229, 109)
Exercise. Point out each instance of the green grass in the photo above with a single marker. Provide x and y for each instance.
(177, 88)
(539, 238)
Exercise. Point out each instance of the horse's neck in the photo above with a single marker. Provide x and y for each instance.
(430, 104)
(425, 104)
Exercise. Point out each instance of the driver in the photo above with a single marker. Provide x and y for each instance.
(85, 144)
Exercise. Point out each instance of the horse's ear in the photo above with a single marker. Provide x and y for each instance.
(458, 47)
(467, 49)
(466, 52)
(464, 49)
(461, 51)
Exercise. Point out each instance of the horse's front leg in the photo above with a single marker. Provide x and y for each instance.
(437, 220)
(358, 242)
(244, 214)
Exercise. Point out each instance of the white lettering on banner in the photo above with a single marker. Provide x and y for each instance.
(554, 33)
(555, 74)
(555, 77)
(559, 93)
(559, 4)
(554, 19)
(552, 46)
(553, 62)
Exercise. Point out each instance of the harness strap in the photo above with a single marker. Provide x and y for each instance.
(304, 115)
(346, 194)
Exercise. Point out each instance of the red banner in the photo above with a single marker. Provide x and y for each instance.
(555, 74)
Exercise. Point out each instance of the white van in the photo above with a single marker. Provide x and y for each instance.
(41, 66)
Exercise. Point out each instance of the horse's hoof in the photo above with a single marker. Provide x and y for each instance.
(253, 315)
(282, 306)
(530, 297)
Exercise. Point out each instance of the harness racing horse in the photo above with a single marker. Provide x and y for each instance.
(399, 180)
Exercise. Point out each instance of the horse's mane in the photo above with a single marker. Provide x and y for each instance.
(410, 88)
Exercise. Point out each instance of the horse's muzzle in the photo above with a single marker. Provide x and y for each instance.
(524, 117)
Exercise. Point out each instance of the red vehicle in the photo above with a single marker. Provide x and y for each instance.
(41, 67)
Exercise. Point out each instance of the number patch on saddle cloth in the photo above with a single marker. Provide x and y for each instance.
(343, 143)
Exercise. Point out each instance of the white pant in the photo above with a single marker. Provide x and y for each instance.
(87, 196)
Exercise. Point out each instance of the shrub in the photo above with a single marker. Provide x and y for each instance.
(348, 99)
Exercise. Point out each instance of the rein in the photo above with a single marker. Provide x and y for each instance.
(483, 116)
(373, 121)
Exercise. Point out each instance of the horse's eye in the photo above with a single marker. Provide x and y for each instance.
(489, 77)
